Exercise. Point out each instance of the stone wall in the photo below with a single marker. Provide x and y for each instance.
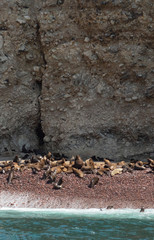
(77, 76)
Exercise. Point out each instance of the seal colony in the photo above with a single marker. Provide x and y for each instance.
(52, 166)
(92, 183)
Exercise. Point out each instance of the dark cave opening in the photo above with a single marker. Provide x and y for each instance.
(40, 134)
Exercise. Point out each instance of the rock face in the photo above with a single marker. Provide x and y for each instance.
(20, 61)
(78, 75)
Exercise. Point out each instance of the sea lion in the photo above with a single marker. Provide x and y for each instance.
(64, 169)
(152, 167)
(126, 168)
(90, 163)
(53, 164)
(58, 185)
(142, 209)
(150, 161)
(72, 160)
(133, 160)
(109, 207)
(52, 177)
(121, 164)
(108, 173)
(94, 158)
(16, 166)
(69, 170)
(61, 161)
(34, 159)
(67, 164)
(86, 168)
(58, 169)
(99, 164)
(60, 2)
(139, 166)
(46, 167)
(16, 159)
(42, 162)
(104, 170)
(34, 171)
(49, 155)
(100, 172)
(78, 172)
(113, 166)
(47, 173)
(131, 165)
(22, 167)
(37, 167)
(93, 182)
(11, 175)
(27, 161)
(7, 169)
(116, 171)
(108, 164)
(78, 162)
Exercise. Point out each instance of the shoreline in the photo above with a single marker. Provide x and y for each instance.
(128, 190)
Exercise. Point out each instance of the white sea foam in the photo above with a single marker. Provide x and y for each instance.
(67, 213)
(29, 206)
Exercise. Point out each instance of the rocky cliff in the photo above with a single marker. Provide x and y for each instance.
(77, 76)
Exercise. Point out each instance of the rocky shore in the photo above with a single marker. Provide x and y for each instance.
(33, 188)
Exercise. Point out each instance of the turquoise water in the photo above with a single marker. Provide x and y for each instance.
(76, 224)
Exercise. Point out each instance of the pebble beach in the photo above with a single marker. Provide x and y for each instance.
(128, 190)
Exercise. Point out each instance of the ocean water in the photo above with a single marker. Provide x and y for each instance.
(25, 224)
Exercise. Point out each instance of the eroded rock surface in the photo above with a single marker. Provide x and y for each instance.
(20, 77)
(85, 67)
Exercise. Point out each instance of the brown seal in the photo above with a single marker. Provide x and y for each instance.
(100, 172)
(58, 185)
(86, 168)
(126, 168)
(78, 162)
(150, 161)
(52, 177)
(142, 209)
(108, 164)
(90, 163)
(116, 171)
(69, 170)
(61, 161)
(109, 207)
(60, 2)
(58, 169)
(34, 171)
(49, 155)
(93, 182)
(11, 175)
(16, 159)
(78, 172)
(139, 166)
